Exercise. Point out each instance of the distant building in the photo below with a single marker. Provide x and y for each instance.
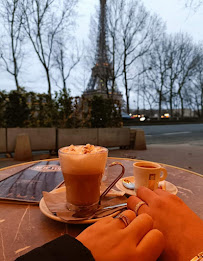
(187, 112)
(100, 82)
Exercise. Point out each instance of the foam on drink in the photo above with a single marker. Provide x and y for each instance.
(83, 167)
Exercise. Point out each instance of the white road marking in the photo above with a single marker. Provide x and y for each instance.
(175, 133)
(169, 133)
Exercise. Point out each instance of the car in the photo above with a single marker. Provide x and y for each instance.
(125, 116)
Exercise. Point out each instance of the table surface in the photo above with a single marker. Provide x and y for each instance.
(23, 226)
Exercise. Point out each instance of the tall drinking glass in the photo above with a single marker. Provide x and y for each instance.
(82, 167)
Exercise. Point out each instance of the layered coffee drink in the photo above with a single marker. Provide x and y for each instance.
(82, 167)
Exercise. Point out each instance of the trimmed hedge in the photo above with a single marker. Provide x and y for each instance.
(29, 109)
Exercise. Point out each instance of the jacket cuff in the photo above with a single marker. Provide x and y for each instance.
(64, 248)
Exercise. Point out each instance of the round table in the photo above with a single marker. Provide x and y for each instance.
(23, 226)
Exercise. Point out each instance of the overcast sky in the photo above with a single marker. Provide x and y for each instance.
(173, 12)
(177, 17)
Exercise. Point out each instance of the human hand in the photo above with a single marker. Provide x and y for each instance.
(110, 240)
(181, 227)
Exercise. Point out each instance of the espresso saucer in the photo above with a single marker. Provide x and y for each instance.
(169, 186)
(44, 209)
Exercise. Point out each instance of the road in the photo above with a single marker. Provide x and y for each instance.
(173, 134)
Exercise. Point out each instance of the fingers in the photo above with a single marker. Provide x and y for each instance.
(139, 227)
(133, 201)
(151, 245)
(146, 195)
(124, 219)
(161, 192)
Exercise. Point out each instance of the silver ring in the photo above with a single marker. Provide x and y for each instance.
(137, 207)
(125, 219)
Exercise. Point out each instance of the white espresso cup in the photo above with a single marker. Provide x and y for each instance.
(148, 174)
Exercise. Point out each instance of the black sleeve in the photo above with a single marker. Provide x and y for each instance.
(64, 248)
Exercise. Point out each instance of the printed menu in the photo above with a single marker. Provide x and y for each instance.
(27, 185)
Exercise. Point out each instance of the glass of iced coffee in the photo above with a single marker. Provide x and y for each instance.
(82, 167)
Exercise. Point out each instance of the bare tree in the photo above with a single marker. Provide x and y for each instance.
(157, 61)
(173, 61)
(12, 38)
(189, 60)
(195, 85)
(175, 52)
(114, 11)
(44, 20)
(91, 47)
(200, 84)
(194, 4)
(144, 92)
(135, 35)
(66, 56)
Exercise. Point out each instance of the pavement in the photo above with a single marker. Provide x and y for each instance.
(185, 156)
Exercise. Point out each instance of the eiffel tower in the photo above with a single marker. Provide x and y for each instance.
(100, 82)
